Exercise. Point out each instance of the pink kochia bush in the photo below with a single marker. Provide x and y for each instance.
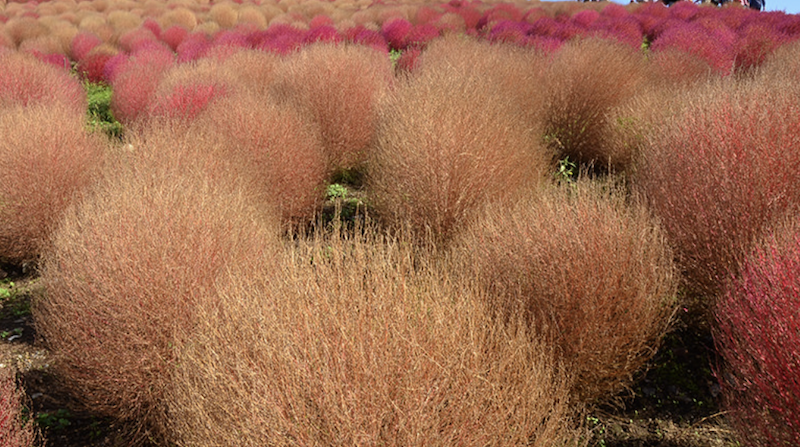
(719, 171)
(126, 267)
(135, 81)
(26, 80)
(13, 431)
(47, 159)
(758, 335)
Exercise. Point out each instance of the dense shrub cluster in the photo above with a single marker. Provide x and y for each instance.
(361, 340)
(581, 96)
(127, 265)
(758, 326)
(339, 86)
(439, 158)
(486, 304)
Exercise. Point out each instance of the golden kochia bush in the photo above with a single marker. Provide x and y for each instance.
(339, 86)
(517, 72)
(588, 269)
(448, 143)
(127, 266)
(357, 340)
(47, 159)
(586, 79)
(274, 147)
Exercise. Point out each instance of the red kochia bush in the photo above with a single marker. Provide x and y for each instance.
(338, 86)
(24, 80)
(721, 170)
(46, 157)
(127, 265)
(758, 335)
(587, 268)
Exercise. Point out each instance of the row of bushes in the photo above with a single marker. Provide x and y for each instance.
(97, 35)
(150, 247)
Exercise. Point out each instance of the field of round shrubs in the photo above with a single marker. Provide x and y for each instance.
(339, 223)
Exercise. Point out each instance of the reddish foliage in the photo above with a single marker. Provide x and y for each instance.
(758, 336)
(714, 45)
(14, 430)
(185, 102)
(322, 33)
(82, 44)
(193, 47)
(719, 172)
(585, 18)
(174, 35)
(756, 42)
(135, 81)
(396, 31)
(26, 80)
(92, 67)
(48, 159)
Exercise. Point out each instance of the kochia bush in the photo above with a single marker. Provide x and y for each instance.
(26, 80)
(47, 159)
(439, 158)
(363, 340)
(758, 336)
(15, 431)
(338, 86)
(587, 268)
(719, 171)
(127, 265)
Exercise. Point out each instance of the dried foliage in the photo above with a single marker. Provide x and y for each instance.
(721, 170)
(581, 95)
(275, 148)
(360, 340)
(588, 269)
(14, 430)
(47, 158)
(447, 144)
(516, 72)
(127, 267)
(339, 86)
(758, 323)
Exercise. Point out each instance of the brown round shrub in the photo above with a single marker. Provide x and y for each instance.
(128, 265)
(589, 271)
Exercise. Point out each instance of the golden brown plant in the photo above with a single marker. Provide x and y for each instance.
(588, 269)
